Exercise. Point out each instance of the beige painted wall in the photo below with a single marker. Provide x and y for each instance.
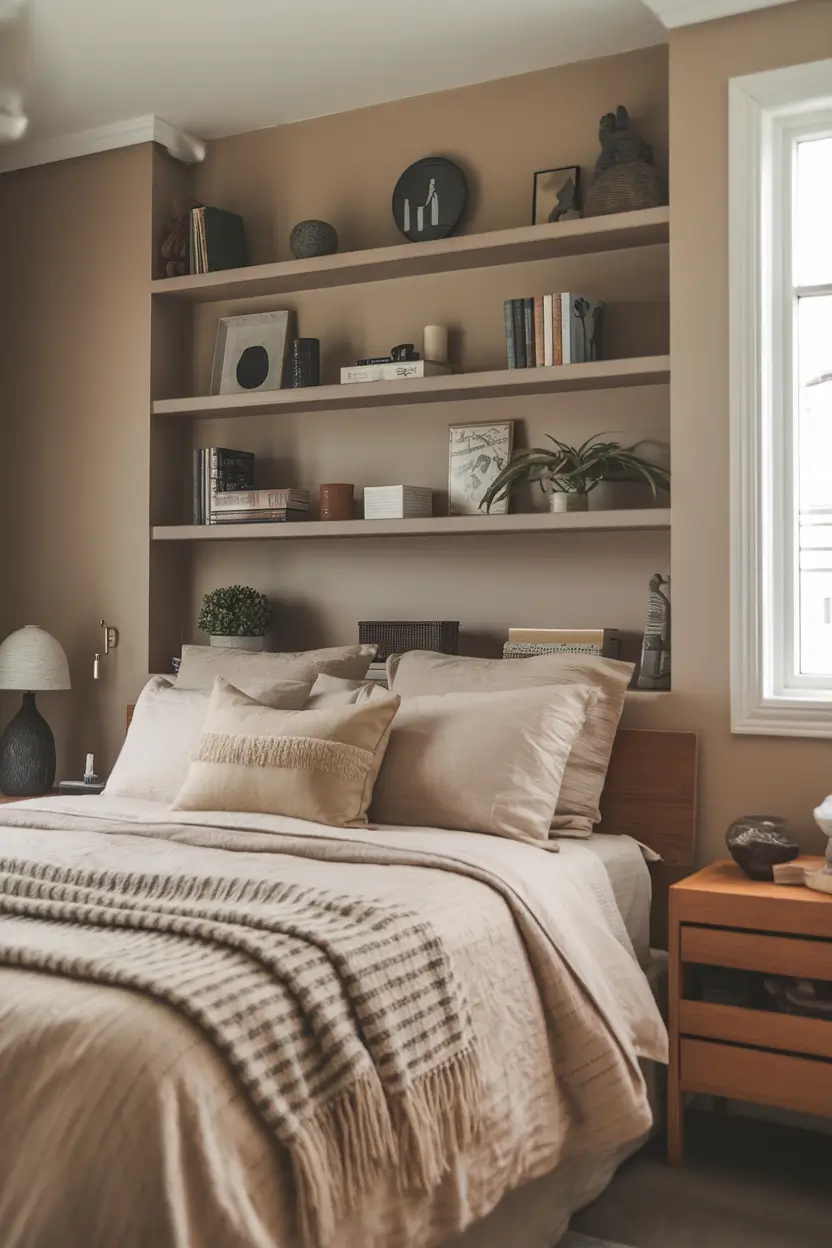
(738, 773)
(74, 394)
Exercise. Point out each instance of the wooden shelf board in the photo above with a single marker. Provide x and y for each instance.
(431, 526)
(647, 227)
(455, 387)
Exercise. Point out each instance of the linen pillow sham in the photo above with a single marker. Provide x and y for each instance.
(201, 664)
(421, 672)
(316, 765)
(481, 762)
(333, 691)
(165, 727)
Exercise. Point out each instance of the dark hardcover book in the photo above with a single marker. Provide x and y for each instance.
(519, 332)
(224, 240)
(528, 330)
(508, 316)
(196, 506)
(378, 359)
(225, 469)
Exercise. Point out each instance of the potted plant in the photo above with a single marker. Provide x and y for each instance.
(568, 474)
(235, 616)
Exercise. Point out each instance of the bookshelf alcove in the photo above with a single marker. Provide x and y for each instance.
(184, 308)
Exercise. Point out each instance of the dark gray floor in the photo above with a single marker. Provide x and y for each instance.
(745, 1184)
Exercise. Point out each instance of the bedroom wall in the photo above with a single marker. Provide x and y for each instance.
(74, 394)
(737, 773)
(343, 168)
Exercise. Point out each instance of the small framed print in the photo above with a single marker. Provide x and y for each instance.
(556, 195)
(250, 353)
(477, 454)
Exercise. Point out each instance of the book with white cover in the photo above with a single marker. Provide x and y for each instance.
(397, 502)
(394, 372)
(258, 500)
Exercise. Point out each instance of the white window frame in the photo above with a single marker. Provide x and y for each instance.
(768, 114)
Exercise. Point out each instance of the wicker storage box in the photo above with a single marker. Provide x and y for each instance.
(398, 636)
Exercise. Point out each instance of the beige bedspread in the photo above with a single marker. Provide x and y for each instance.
(123, 1127)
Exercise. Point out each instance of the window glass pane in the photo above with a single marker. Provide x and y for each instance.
(813, 236)
(814, 361)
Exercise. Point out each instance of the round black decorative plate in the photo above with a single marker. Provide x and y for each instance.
(429, 199)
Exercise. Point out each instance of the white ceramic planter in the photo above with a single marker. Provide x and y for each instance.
(560, 501)
(239, 643)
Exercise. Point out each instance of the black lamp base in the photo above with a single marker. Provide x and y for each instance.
(27, 753)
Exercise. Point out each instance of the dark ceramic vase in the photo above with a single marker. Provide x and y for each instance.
(27, 753)
(758, 842)
(313, 238)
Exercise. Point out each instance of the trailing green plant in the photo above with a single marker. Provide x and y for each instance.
(234, 611)
(574, 469)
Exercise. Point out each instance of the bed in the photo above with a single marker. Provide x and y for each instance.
(124, 1125)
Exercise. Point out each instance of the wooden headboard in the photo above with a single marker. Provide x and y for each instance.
(650, 794)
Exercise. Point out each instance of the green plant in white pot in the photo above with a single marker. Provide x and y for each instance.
(235, 616)
(569, 474)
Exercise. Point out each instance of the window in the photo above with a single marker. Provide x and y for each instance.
(781, 401)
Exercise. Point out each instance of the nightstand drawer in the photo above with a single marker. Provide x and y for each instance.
(791, 1032)
(796, 1083)
(750, 951)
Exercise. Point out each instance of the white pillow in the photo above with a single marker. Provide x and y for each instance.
(480, 762)
(202, 664)
(333, 691)
(165, 728)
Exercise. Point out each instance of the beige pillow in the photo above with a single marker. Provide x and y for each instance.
(317, 765)
(480, 762)
(201, 664)
(333, 691)
(165, 727)
(421, 672)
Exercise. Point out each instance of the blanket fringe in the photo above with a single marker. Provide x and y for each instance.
(436, 1117)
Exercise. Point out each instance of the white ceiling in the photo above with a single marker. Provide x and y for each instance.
(219, 67)
(216, 67)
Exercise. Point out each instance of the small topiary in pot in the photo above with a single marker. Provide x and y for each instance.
(236, 616)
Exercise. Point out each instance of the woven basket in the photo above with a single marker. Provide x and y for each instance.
(398, 636)
(624, 188)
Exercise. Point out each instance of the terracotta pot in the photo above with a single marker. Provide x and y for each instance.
(337, 502)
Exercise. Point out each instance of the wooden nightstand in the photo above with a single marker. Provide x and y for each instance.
(718, 917)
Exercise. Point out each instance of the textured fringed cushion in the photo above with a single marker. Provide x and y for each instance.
(318, 765)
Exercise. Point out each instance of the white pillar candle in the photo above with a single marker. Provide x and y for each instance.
(435, 344)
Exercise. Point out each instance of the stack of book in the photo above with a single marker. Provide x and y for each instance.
(217, 240)
(392, 370)
(545, 330)
(525, 643)
(259, 506)
(215, 470)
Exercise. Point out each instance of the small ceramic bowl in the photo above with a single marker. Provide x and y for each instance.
(758, 842)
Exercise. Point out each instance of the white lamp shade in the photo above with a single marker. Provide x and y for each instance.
(32, 660)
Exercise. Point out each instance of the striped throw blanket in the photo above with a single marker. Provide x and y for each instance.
(343, 1019)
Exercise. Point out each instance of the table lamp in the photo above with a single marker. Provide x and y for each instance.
(32, 661)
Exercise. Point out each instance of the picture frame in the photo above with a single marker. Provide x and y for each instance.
(477, 453)
(551, 199)
(250, 353)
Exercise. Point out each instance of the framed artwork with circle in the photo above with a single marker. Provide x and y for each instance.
(556, 195)
(429, 199)
(250, 353)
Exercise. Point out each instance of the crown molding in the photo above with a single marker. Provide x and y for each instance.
(181, 145)
(675, 13)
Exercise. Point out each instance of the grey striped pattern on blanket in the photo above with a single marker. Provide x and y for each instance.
(343, 1020)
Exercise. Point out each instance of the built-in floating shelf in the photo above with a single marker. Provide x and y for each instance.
(431, 526)
(645, 228)
(502, 383)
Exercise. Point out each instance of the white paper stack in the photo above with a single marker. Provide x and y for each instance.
(397, 502)
(400, 371)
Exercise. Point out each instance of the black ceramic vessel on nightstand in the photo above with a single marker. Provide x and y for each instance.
(758, 842)
(27, 753)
